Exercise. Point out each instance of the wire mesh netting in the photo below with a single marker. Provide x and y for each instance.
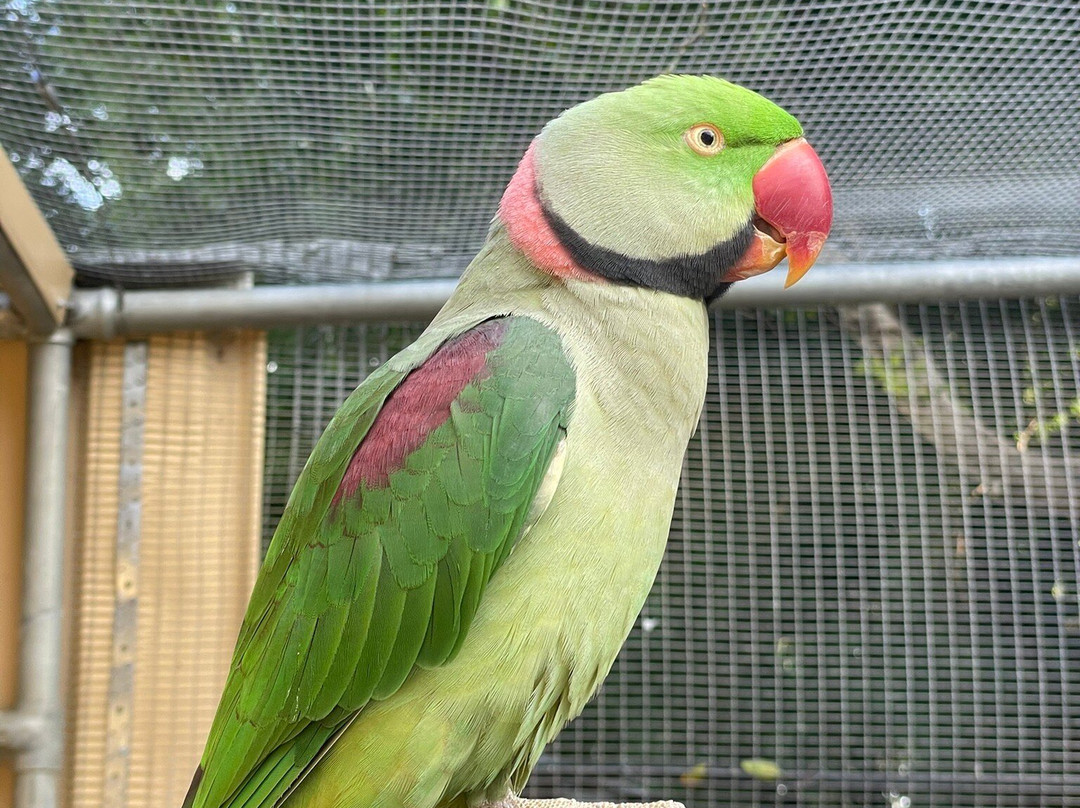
(168, 140)
(870, 593)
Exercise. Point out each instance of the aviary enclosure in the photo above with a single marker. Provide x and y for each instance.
(870, 595)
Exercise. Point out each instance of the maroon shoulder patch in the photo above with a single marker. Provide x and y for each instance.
(419, 405)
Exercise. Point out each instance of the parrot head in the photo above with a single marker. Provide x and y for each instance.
(683, 184)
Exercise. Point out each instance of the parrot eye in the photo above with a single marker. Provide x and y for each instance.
(705, 139)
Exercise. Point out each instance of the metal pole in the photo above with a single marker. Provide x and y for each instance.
(38, 764)
(105, 313)
(913, 282)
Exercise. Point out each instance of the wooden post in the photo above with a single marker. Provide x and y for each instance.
(13, 381)
(34, 269)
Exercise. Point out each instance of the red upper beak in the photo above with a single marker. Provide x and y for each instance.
(794, 206)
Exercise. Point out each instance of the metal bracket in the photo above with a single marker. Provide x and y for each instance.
(121, 704)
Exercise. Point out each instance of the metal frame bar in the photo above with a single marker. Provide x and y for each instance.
(106, 313)
(36, 727)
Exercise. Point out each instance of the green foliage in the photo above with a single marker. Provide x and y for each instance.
(891, 373)
(761, 769)
(1041, 427)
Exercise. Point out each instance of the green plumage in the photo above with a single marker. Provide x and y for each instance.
(416, 641)
(352, 597)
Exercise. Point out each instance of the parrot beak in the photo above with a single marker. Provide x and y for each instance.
(794, 213)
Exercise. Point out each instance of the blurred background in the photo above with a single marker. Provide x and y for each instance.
(870, 597)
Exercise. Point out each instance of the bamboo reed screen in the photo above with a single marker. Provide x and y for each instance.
(169, 494)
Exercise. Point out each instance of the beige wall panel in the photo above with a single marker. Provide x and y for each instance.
(200, 497)
(12, 458)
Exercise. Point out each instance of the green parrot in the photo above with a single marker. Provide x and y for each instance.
(478, 527)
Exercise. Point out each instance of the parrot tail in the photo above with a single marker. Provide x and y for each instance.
(279, 773)
(189, 800)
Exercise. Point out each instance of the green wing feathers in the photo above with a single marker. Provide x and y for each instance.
(411, 500)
